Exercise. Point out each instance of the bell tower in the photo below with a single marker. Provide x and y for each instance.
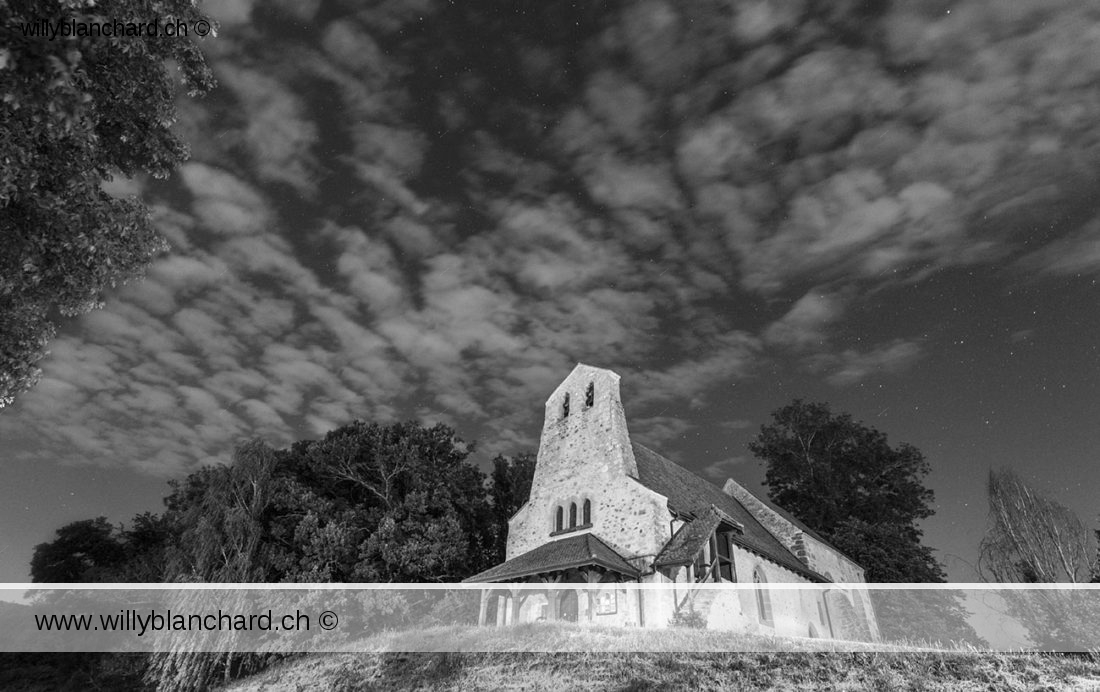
(584, 430)
(586, 461)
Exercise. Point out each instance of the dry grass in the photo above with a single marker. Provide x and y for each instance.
(593, 659)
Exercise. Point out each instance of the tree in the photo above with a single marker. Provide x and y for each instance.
(892, 552)
(83, 551)
(222, 514)
(509, 489)
(395, 503)
(409, 491)
(368, 502)
(77, 111)
(846, 482)
(1033, 539)
(1096, 558)
(828, 469)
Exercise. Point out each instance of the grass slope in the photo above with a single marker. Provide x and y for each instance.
(758, 666)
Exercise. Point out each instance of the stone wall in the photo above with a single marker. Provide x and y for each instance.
(587, 455)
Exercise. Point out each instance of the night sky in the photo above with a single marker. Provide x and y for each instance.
(419, 211)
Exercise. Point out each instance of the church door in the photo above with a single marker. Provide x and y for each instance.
(567, 606)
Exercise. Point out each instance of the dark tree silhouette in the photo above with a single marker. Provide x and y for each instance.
(84, 551)
(510, 486)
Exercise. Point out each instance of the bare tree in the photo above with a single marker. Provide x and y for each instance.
(1032, 538)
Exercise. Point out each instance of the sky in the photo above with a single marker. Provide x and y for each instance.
(429, 212)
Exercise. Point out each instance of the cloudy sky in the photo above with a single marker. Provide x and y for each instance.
(425, 211)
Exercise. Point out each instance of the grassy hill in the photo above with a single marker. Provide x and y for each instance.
(596, 661)
(586, 658)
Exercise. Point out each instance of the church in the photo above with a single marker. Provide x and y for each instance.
(605, 512)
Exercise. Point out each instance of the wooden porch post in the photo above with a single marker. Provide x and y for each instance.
(553, 597)
(483, 609)
(517, 601)
(591, 576)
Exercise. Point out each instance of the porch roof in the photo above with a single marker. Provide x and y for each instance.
(582, 550)
(689, 540)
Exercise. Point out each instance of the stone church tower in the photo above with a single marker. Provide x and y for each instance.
(585, 455)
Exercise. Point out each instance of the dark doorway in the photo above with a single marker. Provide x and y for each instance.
(567, 606)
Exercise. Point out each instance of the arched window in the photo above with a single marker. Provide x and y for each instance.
(763, 598)
(565, 406)
(587, 513)
(590, 395)
(572, 514)
(559, 518)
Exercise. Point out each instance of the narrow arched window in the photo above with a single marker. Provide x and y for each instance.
(572, 514)
(559, 519)
(590, 395)
(565, 406)
(587, 513)
(861, 613)
(763, 599)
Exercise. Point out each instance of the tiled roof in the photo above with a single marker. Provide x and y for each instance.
(576, 551)
(791, 518)
(689, 540)
(690, 494)
(802, 527)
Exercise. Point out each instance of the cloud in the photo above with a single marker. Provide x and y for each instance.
(805, 323)
(223, 202)
(380, 227)
(624, 107)
(232, 12)
(1076, 255)
(850, 366)
(659, 432)
(730, 357)
(351, 47)
(719, 471)
(278, 135)
(618, 184)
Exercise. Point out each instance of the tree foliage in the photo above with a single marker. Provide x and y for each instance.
(828, 470)
(221, 532)
(366, 503)
(509, 490)
(84, 551)
(75, 112)
(406, 493)
(845, 481)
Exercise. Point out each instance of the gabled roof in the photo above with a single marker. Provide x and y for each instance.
(689, 540)
(690, 494)
(580, 550)
(789, 517)
(801, 527)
